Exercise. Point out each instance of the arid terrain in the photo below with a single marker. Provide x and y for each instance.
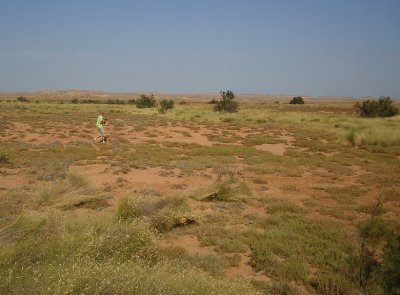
(267, 200)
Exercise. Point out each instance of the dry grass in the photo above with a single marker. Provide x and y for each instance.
(297, 214)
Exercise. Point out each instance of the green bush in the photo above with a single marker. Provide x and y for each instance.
(378, 260)
(297, 100)
(227, 103)
(166, 105)
(127, 209)
(22, 99)
(4, 157)
(114, 101)
(146, 101)
(95, 101)
(383, 107)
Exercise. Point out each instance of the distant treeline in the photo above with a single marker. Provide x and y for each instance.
(108, 101)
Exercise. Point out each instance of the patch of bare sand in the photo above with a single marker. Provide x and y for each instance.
(12, 181)
(166, 134)
(101, 175)
(277, 149)
(43, 135)
(12, 178)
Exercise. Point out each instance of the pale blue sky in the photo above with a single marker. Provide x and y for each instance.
(299, 47)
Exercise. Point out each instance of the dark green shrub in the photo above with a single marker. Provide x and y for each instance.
(115, 101)
(227, 103)
(132, 101)
(297, 100)
(377, 264)
(166, 105)
(22, 99)
(383, 107)
(4, 157)
(90, 101)
(146, 101)
(74, 100)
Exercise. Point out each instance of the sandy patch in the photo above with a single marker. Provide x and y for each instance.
(12, 181)
(277, 149)
(152, 178)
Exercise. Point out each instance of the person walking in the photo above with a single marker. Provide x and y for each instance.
(100, 128)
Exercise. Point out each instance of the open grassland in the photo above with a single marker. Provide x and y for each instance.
(268, 200)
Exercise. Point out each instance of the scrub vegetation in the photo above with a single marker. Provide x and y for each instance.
(271, 198)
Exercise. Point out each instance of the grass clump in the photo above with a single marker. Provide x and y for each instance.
(92, 256)
(72, 192)
(4, 157)
(351, 137)
(163, 213)
(292, 244)
(228, 189)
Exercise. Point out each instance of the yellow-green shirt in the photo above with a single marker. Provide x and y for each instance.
(98, 123)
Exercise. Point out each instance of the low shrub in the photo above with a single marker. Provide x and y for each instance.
(383, 107)
(22, 99)
(166, 105)
(227, 103)
(146, 101)
(4, 157)
(297, 100)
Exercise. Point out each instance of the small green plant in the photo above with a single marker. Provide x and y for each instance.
(127, 209)
(351, 137)
(146, 101)
(4, 157)
(383, 107)
(227, 103)
(166, 105)
(297, 100)
(378, 260)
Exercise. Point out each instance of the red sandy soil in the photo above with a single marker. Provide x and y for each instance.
(103, 175)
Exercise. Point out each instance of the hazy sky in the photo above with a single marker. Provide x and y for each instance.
(299, 47)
